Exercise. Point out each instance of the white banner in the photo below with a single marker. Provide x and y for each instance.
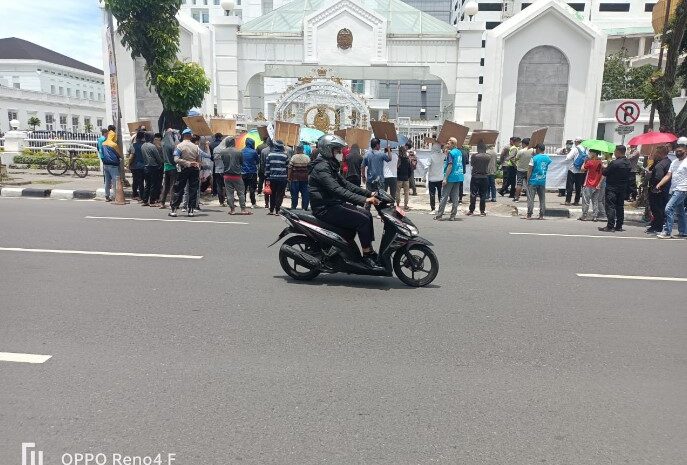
(555, 177)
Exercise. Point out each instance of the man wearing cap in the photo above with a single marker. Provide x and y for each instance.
(617, 177)
(187, 159)
(677, 177)
(576, 176)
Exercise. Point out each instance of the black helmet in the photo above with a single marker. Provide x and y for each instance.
(327, 143)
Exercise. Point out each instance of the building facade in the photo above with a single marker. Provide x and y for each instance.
(63, 93)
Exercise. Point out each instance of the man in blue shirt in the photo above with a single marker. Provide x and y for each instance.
(101, 140)
(373, 166)
(453, 179)
(536, 181)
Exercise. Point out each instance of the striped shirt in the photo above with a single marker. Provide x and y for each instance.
(276, 166)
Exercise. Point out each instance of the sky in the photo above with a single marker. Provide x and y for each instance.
(70, 27)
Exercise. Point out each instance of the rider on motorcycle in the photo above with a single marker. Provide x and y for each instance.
(333, 199)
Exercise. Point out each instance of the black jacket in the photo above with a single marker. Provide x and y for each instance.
(618, 174)
(658, 172)
(328, 187)
(405, 169)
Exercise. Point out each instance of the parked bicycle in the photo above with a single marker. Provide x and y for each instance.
(61, 163)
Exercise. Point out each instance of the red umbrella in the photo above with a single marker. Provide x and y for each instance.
(651, 138)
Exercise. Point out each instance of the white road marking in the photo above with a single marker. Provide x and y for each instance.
(23, 358)
(610, 236)
(93, 252)
(160, 219)
(640, 278)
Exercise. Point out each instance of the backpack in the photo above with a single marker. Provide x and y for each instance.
(580, 158)
(110, 157)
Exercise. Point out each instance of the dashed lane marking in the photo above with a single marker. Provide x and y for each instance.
(23, 358)
(94, 252)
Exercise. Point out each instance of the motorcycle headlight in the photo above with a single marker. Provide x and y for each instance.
(413, 230)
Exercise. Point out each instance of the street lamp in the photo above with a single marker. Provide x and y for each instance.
(471, 8)
(228, 6)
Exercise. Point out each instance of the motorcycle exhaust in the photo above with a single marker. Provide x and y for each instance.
(301, 257)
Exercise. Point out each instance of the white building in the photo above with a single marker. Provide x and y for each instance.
(63, 93)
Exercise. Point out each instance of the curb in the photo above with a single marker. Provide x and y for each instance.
(574, 213)
(11, 191)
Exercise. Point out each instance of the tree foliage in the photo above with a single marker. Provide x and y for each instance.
(33, 122)
(663, 83)
(623, 82)
(150, 30)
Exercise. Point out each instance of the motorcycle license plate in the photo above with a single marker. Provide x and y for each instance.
(400, 211)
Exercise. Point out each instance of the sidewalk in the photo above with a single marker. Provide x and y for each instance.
(39, 183)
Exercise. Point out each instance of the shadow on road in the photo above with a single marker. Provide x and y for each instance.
(362, 282)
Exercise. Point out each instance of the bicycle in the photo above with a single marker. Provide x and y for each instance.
(59, 165)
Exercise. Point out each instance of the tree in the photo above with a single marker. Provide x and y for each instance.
(623, 82)
(664, 83)
(33, 122)
(150, 30)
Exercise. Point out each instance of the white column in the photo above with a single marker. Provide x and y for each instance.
(468, 70)
(226, 51)
(641, 47)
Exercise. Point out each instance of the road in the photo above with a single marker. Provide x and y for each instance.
(509, 358)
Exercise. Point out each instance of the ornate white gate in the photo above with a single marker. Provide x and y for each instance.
(322, 102)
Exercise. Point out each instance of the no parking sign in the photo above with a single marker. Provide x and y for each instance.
(627, 113)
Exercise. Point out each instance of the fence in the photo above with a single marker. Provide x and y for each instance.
(82, 142)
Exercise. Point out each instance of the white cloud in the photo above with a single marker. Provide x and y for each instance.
(70, 27)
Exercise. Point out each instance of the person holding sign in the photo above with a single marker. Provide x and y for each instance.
(453, 179)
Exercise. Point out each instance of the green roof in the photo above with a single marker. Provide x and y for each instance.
(627, 31)
(402, 19)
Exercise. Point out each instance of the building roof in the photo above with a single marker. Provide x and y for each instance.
(402, 19)
(13, 48)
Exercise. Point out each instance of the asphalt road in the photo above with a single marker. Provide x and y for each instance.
(509, 358)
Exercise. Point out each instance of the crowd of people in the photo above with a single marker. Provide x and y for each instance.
(174, 168)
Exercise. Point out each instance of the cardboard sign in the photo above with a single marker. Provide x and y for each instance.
(384, 130)
(484, 136)
(198, 125)
(133, 127)
(289, 133)
(357, 136)
(648, 149)
(451, 129)
(226, 127)
(538, 137)
(263, 132)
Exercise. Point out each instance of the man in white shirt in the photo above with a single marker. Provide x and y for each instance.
(575, 174)
(391, 173)
(677, 176)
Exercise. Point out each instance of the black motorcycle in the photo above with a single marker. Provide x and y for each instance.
(318, 247)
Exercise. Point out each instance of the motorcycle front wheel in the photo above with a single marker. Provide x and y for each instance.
(416, 266)
(296, 269)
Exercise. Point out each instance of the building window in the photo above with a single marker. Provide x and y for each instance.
(267, 6)
(196, 16)
(481, 79)
(86, 123)
(576, 6)
(11, 115)
(16, 85)
(524, 5)
(52, 89)
(205, 2)
(69, 92)
(61, 90)
(49, 122)
(481, 61)
(206, 17)
(99, 122)
(614, 7)
(479, 97)
(649, 7)
(63, 122)
(491, 7)
(358, 86)
(492, 24)
(75, 124)
(91, 95)
(216, 2)
(78, 93)
(484, 43)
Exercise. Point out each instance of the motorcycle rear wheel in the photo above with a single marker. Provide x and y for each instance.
(410, 265)
(294, 269)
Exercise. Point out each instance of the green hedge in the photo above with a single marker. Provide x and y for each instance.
(42, 159)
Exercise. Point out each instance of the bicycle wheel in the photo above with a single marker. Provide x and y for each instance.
(57, 166)
(80, 168)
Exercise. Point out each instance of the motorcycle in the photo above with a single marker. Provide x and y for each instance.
(317, 247)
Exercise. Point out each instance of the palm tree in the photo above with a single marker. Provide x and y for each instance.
(34, 121)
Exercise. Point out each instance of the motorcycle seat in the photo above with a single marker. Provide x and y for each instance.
(348, 234)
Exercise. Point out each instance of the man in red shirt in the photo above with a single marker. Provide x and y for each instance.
(592, 184)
